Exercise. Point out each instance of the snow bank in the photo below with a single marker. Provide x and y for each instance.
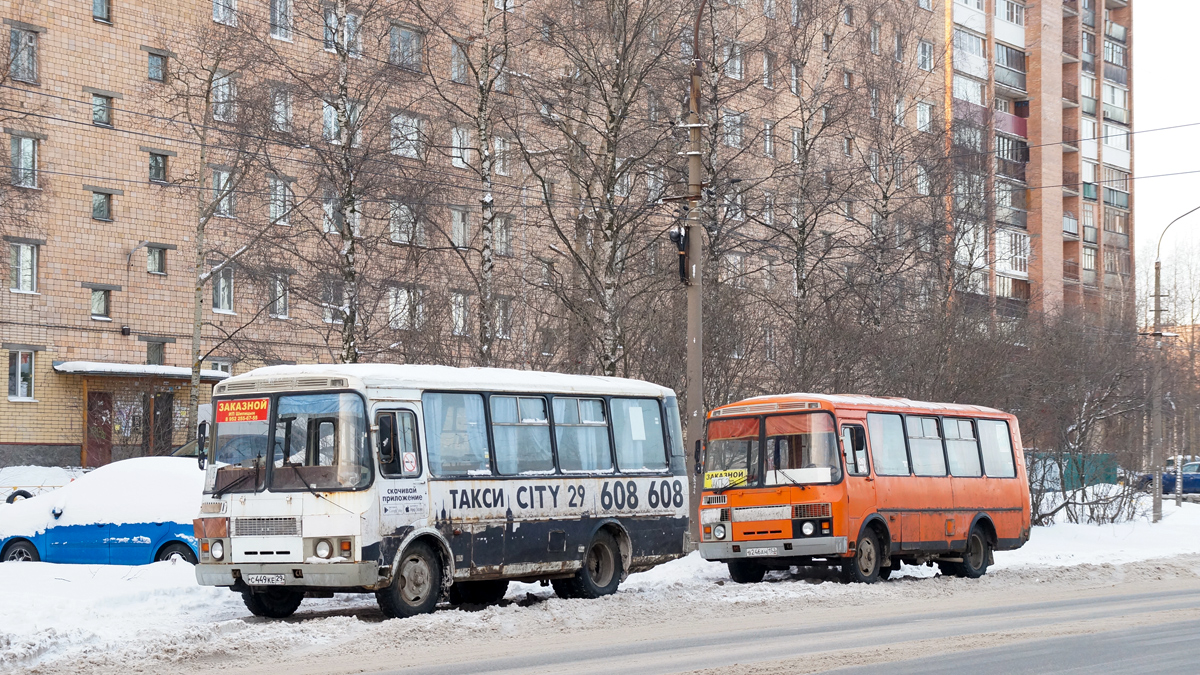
(139, 490)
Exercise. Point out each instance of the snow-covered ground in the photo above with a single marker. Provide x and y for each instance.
(73, 618)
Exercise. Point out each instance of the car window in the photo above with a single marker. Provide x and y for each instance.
(1193, 467)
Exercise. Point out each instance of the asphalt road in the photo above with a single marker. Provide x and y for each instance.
(1121, 629)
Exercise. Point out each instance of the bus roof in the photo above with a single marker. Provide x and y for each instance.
(410, 376)
(800, 401)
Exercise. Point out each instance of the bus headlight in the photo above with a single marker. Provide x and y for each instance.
(324, 549)
(217, 550)
(808, 528)
(719, 531)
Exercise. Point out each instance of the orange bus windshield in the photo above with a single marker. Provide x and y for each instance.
(732, 453)
(802, 449)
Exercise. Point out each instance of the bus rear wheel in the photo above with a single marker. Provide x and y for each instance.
(415, 586)
(864, 565)
(276, 603)
(975, 558)
(746, 571)
(478, 592)
(601, 572)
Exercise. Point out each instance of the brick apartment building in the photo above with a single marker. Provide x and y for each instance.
(98, 320)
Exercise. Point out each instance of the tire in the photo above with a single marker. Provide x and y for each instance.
(478, 592)
(601, 572)
(885, 572)
(17, 494)
(975, 558)
(746, 571)
(21, 550)
(277, 603)
(176, 548)
(864, 566)
(416, 584)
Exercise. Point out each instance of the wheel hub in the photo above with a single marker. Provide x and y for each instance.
(417, 578)
(866, 557)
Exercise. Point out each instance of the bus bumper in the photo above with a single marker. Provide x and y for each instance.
(773, 548)
(326, 575)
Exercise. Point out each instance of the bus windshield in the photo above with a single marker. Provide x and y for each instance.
(802, 449)
(732, 453)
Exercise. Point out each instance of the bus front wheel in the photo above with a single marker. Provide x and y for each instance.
(864, 566)
(601, 572)
(415, 586)
(276, 603)
(746, 571)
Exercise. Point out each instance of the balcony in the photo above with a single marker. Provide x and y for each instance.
(1089, 18)
(1070, 47)
(1007, 77)
(1070, 181)
(1089, 191)
(1012, 217)
(1070, 139)
(1116, 223)
(1070, 224)
(1070, 92)
(1070, 7)
(1089, 105)
(1070, 271)
(1112, 112)
(1116, 198)
(1010, 168)
(1011, 124)
(1115, 31)
(1088, 277)
(1089, 234)
(1116, 4)
(1088, 63)
(1112, 72)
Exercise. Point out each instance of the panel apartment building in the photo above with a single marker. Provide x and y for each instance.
(98, 318)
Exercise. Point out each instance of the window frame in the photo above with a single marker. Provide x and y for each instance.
(223, 275)
(106, 313)
(24, 176)
(16, 274)
(31, 392)
(161, 253)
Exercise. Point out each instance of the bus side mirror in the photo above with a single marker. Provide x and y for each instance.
(201, 436)
(387, 432)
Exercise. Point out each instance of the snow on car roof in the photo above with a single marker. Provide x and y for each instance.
(410, 376)
(138, 490)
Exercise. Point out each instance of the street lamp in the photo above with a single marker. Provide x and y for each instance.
(1156, 421)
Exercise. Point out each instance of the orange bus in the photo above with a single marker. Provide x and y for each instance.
(861, 484)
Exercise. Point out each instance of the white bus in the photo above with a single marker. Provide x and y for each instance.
(415, 482)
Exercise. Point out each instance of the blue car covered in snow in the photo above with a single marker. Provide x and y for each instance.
(131, 512)
(1190, 472)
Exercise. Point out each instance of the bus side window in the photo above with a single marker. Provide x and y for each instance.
(854, 444)
(961, 448)
(997, 449)
(887, 444)
(398, 449)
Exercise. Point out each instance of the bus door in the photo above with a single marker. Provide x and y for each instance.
(860, 486)
(403, 496)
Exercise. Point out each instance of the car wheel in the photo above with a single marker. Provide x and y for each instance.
(416, 584)
(176, 548)
(276, 603)
(975, 558)
(745, 571)
(21, 551)
(866, 562)
(600, 574)
(478, 592)
(17, 494)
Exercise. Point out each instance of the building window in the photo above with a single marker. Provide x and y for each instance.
(898, 48)
(732, 127)
(1089, 258)
(220, 366)
(333, 300)
(797, 143)
(797, 12)
(504, 318)
(101, 206)
(22, 269)
(967, 89)
(24, 162)
(735, 207)
(1012, 252)
(1116, 137)
(158, 167)
(156, 353)
(922, 181)
(22, 55)
(873, 40)
(224, 95)
(407, 132)
(20, 374)
(847, 79)
(460, 147)
(101, 304)
(282, 201)
(458, 314)
(1011, 12)
(281, 19)
(502, 234)
(404, 226)
(925, 4)
(405, 48)
(222, 193)
(768, 138)
(502, 150)
(458, 63)
(874, 103)
(848, 16)
(281, 110)
(225, 11)
(156, 67)
(925, 55)
(156, 260)
(795, 77)
(222, 283)
(278, 289)
(847, 146)
(898, 116)
(331, 125)
(348, 38)
(925, 116)
(460, 228)
(768, 80)
(769, 9)
(654, 184)
(102, 110)
(101, 11)
(406, 310)
(734, 64)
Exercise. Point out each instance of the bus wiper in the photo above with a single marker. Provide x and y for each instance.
(313, 490)
(235, 483)
(741, 481)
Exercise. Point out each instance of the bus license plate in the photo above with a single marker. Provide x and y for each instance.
(264, 579)
(762, 551)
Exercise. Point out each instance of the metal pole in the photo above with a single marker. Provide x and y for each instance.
(695, 278)
(1156, 421)
(1178, 480)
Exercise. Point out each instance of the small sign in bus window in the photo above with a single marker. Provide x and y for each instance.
(245, 410)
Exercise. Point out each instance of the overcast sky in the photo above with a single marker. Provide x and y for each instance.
(1164, 95)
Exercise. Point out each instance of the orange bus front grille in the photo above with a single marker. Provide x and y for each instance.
(811, 511)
